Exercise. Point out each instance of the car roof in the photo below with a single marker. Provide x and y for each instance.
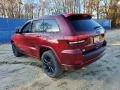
(46, 17)
(73, 14)
(62, 15)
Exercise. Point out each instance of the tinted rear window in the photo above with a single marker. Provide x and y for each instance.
(85, 25)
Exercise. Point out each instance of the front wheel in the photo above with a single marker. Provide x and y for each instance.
(50, 64)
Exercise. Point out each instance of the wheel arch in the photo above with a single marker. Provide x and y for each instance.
(46, 48)
(12, 41)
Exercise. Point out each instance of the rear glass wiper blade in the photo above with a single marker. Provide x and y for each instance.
(97, 27)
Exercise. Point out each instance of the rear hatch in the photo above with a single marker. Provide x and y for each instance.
(89, 34)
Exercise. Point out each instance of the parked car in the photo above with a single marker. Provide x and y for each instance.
(61, 42)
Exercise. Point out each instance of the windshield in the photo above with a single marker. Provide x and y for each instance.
(85, 25)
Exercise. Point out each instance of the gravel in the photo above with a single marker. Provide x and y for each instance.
(25, 73)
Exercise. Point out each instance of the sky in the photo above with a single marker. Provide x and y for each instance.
(119, 2)
(27, 1)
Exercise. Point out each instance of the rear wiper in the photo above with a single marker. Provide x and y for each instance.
(97, 27)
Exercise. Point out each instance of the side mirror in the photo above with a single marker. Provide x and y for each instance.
(17, 31)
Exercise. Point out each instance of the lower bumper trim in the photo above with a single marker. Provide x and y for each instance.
(74, 67)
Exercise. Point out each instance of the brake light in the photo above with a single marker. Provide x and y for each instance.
(77, 42)
(76, 39)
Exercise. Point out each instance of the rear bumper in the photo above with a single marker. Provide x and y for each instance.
(85, 59)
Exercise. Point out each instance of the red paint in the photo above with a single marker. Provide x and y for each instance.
(69, 56)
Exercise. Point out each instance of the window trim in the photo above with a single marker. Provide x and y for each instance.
(21, 30)
(56, 24)
(43, 26)
(32, 26)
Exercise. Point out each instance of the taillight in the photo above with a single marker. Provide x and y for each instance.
(76, 39)
(77, 42)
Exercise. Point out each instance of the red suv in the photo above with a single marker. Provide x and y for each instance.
(61, 42)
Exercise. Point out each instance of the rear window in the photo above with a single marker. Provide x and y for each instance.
(85, 25)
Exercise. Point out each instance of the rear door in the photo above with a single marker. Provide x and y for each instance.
(36, 37)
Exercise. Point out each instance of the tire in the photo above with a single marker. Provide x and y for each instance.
(50, 65)
(16, 52)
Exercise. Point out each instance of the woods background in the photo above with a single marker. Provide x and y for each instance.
(100, 9)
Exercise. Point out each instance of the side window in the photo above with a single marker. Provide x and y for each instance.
(26, 28)
(37, 26)
(51, 26)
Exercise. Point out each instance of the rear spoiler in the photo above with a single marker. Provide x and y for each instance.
(73, 17)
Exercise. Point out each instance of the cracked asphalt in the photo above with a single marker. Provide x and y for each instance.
(24, 73)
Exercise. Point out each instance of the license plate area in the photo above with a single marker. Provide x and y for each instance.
(96, 39)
